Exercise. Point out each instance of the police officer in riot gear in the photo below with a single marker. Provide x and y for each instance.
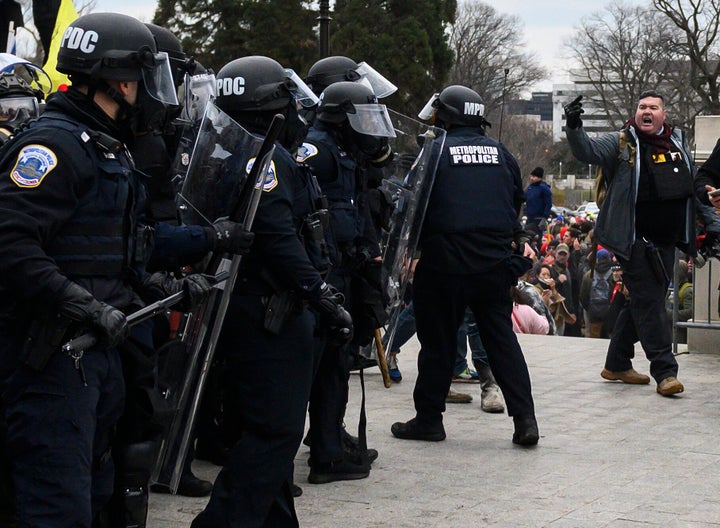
(74, 251)
(268, 323)
(153, 151)
(467, 260)
(22, 89)
(350, 132)
(136, 441)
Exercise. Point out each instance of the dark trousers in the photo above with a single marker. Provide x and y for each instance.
(440, 301)
(644, 317)
(328, 400)
(268, 386)
(137, 432)
(329, 396)
(59, 433)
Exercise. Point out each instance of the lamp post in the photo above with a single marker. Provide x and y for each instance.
(324, 19)
(502, 107)
(560, 176)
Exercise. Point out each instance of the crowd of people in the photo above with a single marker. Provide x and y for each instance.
(91, 233)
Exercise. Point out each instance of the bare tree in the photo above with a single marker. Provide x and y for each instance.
(486, 43)
(699, 21)
(528, 141)
(625, 50)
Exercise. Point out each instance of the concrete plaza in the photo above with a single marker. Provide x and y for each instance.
(610, 455)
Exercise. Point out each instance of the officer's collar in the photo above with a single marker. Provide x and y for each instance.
(463, 130)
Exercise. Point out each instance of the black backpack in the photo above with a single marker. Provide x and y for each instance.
(600, 295)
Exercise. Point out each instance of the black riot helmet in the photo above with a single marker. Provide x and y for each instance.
(330, 70)
(360, 125)
(259, 84)
(357, 104)
(455, 105)
(252, 89)
(166, 41)
(337, 68)
(110, 46)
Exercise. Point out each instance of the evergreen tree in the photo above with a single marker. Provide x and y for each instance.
(218, 31)
(405, 40)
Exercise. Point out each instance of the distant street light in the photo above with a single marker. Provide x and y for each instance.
(560, 176)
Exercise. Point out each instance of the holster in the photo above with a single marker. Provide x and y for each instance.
(277, 309)
(45, 336)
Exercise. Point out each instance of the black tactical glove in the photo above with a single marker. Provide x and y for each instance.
(330, 306)
(160, 285)
(79, 305)
(405, 160)
(230, 237)
(381, 203)
(572, 113)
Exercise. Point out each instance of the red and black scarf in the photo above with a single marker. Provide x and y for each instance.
(661, 141)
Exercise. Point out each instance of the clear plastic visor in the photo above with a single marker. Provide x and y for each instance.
(371, 120)
(158, 79)
(16, 110)
(427, 111)
(199, 90)
(301, 92)
(381, 87)
(33, 75)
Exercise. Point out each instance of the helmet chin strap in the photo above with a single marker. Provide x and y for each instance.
(126, 110)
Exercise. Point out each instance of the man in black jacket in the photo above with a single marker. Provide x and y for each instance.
(647, 211)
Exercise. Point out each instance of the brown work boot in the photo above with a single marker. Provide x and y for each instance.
(457, 397)
(631, 376)
(670, 386)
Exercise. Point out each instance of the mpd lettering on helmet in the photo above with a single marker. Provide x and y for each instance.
(474, 109)
(231, 86)
(80, 39)
(474, 155)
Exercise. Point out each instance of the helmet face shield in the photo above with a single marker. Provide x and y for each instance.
(199, 90)
(427, 111)
(157, 77)
(378, 83)
(371, 120)
(33, 75)
(16, 110)
(300, 91)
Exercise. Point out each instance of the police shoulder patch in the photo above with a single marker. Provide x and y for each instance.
(270, 181)
(305, 152)
(34, 162)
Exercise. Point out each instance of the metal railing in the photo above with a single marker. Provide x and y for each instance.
(707, 324)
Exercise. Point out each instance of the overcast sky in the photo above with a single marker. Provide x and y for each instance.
(546, 24)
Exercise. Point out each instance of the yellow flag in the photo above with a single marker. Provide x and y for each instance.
(65, 16)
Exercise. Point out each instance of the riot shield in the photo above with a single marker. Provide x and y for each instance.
(199, 91)
(224, 178)
(417, 147)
